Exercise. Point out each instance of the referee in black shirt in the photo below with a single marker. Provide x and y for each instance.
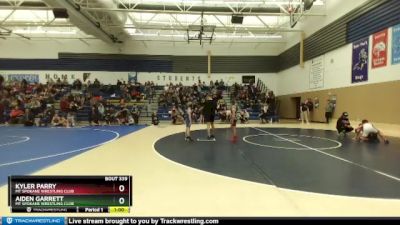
(209, 108)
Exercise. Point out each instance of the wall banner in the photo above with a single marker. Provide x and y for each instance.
(30, 78)
(360, 61)
(396, 44)
(379, 49)
(316, 76)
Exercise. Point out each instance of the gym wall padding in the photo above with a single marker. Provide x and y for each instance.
(375, 102)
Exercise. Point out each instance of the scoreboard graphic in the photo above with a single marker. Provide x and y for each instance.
(74, 194)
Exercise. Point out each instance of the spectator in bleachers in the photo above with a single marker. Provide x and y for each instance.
(16, 115)
(29, 118)
(123, 116)
(135, 113)
(77, 84)
(2, 110)
(64, 105)
(109, 114)
(46, 117)
(154, 119)
(101, 109)
(263, 114)
(73, 109)
(59, 121)
(122, 103)
(244, 116)
(119, 83)
(96, 83)
(1, 82)
(94, 116)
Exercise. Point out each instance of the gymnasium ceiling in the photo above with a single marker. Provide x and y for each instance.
(118, 21)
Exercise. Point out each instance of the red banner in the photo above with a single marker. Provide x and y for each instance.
(379, 49)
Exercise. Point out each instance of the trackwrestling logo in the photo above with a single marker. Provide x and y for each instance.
(33, 220)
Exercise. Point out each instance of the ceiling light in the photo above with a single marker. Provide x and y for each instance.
(40, 31)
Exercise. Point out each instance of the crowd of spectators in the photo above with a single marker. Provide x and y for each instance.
(248, 97)
(34, 103)
(176, 97)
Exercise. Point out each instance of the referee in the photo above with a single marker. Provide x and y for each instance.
(209, 113)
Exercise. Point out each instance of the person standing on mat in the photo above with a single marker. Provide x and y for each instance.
(366, 131)
(233, 121)
(188, 121)
(209, 115)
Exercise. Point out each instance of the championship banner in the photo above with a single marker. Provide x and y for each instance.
(396, 44)
(379, 49)
(360, 61)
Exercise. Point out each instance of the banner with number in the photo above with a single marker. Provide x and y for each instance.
(379, 49)
(360, 61)
(396, 44)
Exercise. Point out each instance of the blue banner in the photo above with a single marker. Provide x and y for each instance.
(30, 78)
(359, 71)
(396, 44)
(33, 220)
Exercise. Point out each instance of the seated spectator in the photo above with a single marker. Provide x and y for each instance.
(154, 119)
(94, 116)
(77, 84)
(174, 115)
(28, 118)
(73, 109)
(122, 116)
(343, 124)
(122, 103)
(264, 114)
(46, 117)
(109, 113)
(64, 105)
(244, 116)
(59, 121)
(366, 131)
(96, 83)
(2, 109)
(135, 113)
(16, 115)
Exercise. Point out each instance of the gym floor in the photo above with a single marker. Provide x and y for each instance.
(285, 169)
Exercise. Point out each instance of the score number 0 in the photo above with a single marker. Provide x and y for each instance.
(121, 200)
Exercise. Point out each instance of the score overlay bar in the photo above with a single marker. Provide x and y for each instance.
(90, 194)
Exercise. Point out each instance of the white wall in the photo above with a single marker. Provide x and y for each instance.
(49, 49)
(103, 77)
(334, 10)
(270, 79)
(337, 72)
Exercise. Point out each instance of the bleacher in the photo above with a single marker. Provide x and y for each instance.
(164, 115)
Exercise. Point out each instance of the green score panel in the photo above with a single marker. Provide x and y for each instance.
(71, 200)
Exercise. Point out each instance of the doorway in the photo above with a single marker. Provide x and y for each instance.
(296, 101)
